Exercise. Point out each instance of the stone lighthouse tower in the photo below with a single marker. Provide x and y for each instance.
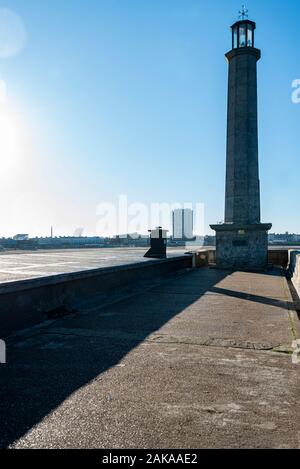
(242, 240)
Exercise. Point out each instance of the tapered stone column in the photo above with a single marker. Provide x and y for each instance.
(242, 240)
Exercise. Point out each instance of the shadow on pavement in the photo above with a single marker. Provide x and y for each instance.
(256, 298)
(42, 371)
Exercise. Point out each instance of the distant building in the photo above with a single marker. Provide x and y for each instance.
(183, 224)
(70, 242)
(209, 240)
(21, 237)
(284, 239)
(129, 240)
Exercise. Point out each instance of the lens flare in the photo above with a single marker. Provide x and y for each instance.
(11, 138)
(13, 33)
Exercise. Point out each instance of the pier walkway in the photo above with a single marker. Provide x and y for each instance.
(202, 360)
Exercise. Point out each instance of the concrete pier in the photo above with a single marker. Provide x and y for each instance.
(202, 360)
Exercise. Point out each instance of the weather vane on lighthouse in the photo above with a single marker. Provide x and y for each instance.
(243, 13)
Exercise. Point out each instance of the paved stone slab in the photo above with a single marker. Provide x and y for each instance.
(174, 366)
(178, 396)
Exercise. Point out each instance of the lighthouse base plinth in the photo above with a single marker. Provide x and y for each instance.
(243, 247)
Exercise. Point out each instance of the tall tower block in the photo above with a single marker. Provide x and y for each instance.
(242, 240)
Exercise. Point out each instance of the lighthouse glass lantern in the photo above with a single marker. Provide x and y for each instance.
(243, 34)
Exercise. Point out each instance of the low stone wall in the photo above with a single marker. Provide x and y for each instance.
(203, 258)
(278, 257)
(27, 303)
(294, 269)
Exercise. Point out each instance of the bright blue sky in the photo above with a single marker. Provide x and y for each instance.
(129, 97)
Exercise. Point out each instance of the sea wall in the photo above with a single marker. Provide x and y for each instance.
(294, 269)
(24, 304)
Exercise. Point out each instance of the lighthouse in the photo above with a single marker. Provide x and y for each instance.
(242, 240)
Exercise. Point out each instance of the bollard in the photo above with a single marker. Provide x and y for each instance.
(200, 259)
(2, 352)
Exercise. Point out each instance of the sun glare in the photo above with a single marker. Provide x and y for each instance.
(11, 136)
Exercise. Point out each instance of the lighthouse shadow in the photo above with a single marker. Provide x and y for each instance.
(52, 365)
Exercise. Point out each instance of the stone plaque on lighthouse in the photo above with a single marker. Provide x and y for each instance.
(242, 240)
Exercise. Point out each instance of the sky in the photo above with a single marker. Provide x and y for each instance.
(102, 98)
